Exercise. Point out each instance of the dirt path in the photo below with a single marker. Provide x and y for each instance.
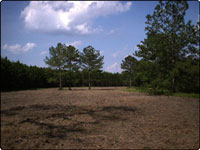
(100, 118)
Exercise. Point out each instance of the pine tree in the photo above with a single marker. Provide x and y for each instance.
(91, 61)
(71, 61)
(169, 41)
(129, 66)
(56, 60)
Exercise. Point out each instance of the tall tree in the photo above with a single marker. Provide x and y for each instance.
(56, 60)
(169, 40)
(128, 64)
(71, 61)
(91, 61)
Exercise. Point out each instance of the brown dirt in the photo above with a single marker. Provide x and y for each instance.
(99, 118)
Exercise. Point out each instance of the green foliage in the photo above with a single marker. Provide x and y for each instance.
(128, 65)
(56, 59)
(144, 73)
(17, 76)
(137, 89)
(150, 91)
(52, 80)
(91, 61)
(158, 91)
(60, 88)
(72, 61)
(170, 55)
(169, 60)
(190, 95)
(71, 58)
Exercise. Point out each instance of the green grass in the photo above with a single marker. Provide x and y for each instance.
(136, 89)
(145, 90)
(190, 95)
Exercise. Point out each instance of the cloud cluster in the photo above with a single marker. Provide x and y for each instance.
(72, 17)
(115, 67)
(17, 48)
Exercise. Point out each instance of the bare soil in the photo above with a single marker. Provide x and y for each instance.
(100, 118)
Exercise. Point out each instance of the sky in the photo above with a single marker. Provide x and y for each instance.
(29, 28)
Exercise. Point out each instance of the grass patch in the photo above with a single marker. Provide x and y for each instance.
(146, 90)
(136, 89)
(190, 95)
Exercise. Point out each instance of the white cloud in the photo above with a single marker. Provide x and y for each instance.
(28, 47)
(17, 48)
(115, 67)
(75, 43)
(112, 31)
(120, 53)
(73, 17)
(43, 53)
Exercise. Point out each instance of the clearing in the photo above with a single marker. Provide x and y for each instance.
(104, 117)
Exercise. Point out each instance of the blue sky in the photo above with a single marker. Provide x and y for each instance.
(28, 29)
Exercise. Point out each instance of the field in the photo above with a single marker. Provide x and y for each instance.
(106, 117)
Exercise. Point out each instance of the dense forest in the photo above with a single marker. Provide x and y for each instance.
(166, 61)
(18, 76)
(169, 55)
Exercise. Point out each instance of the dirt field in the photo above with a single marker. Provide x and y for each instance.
(100, 118)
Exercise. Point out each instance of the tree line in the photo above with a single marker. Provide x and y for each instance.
(166, 61)
(18, 76)
(169, 55)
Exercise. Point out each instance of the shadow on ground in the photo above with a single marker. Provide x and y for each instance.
(70, 119)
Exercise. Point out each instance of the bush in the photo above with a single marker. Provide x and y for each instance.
(159, 87)
(158, 91)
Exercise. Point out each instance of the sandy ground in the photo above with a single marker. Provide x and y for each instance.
(105, 117)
